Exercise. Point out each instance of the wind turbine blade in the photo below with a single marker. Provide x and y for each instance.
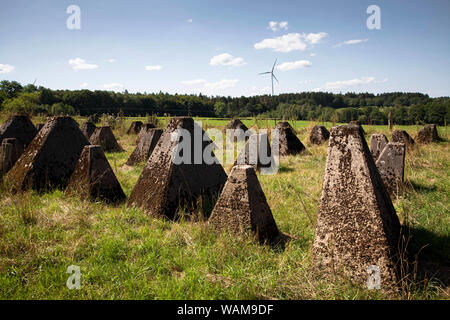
(275, 77)
(265, 72)
(274, 64)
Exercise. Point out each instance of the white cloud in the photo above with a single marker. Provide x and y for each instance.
(314, 38)
(293, 65)
(348, 42)
(222, 84)
(153, 68)
(84, 85)
(189, 20)
(275, 25)
(193, 82)
(346, 84)
(5, 68)
(113, 86)
(260, 91)
(291, 41)
(312, 54)
(306, 81)
(80, 64)
(226, 59)
(383, 81)
(111, 60)
(210, 87)
(283, 25)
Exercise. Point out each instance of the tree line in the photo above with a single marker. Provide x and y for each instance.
(368, 108)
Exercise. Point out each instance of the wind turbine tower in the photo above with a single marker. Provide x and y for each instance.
(272, 76)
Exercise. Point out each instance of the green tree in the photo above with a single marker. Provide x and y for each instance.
(62, 109)
(27, 103)
(47, 97)
(12, 88)
(220, 109)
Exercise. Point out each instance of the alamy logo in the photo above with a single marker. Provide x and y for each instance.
(73, 22)
(374, 20)
(74, 281)
(252, 148)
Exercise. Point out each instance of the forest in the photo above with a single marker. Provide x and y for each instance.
(368, 108)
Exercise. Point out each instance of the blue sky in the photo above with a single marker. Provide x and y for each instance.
(219, 47)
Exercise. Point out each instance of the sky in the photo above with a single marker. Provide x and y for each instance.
(219, 47)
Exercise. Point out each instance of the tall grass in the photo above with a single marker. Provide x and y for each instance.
(126, 254)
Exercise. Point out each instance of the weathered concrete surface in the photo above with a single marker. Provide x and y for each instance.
(145, 146)
(135, 127)
(94, 118)
(236, 124)
(357, 123)
(10, 151)
(242, 206)
(49, 160)
(236, 131)
(19, 127)
(377, 143)
(164, 187)
(256, 152)
(284, 124)
(318, 135)
(144, 128)
(94, 179)
(88, 129)
(289, 143)
(428, 134)
(39, 126)
(104, 137)
(357, 226)
(403, 137)
(391, 164)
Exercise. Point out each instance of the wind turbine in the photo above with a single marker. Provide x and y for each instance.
(272, 76)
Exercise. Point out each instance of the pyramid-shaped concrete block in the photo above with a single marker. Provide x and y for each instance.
(236, 124)
(177, 175)
(403, 137)
(391, 165)
(104, 137)
(289, 143)
(428, 134)
(257, 153)
(284, 124)
(318, 135)
(10, 151)
(242, 206)
(358, 124)
(144, 129)
(19, 127)
(49, 160)
(357, 230)
(145, 147)
(39, 126)
(135, 127)
(94, 179)
(236, 131)
(88, 129)
(377, 143)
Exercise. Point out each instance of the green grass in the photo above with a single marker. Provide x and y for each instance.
(126, 254)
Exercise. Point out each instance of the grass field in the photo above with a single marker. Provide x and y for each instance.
(126, 254)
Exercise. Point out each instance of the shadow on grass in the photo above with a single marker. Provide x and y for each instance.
(284, 169)
(420, 188)
(432, 252)
(278, 244)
